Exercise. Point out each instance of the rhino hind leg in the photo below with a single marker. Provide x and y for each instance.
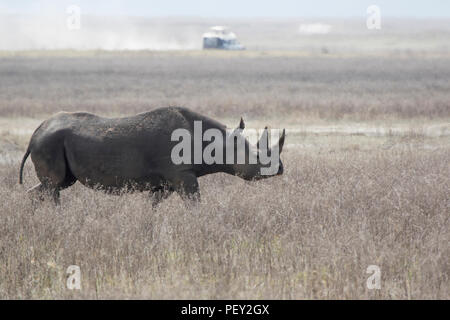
(41, 192)
(54, 174)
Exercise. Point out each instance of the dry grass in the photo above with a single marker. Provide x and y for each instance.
(280, 87)
(347, 200)
(308, 234)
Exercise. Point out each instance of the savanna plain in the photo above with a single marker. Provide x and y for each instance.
(366, 179)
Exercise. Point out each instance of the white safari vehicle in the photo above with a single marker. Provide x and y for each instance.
(221, 38)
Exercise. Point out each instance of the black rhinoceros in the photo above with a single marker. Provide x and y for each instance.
(136, 152)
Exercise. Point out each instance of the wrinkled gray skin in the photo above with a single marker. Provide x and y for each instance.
(131, 152)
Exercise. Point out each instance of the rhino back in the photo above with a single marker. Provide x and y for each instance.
(111, 152)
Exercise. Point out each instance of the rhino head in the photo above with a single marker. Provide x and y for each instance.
(266, 159)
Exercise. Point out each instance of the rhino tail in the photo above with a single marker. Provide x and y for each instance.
(22, 165)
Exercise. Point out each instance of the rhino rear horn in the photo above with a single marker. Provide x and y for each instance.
(264, 138)
(281, 141)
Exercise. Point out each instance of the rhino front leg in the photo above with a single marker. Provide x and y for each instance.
(159, 195)
(187, 187)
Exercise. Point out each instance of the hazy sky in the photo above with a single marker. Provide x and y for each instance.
(233, 8)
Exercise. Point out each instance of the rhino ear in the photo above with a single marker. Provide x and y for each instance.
(264, 139)
(281, 141)
(241, 124)
(239, 129)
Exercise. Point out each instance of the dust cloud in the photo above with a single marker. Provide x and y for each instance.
(22, 32)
